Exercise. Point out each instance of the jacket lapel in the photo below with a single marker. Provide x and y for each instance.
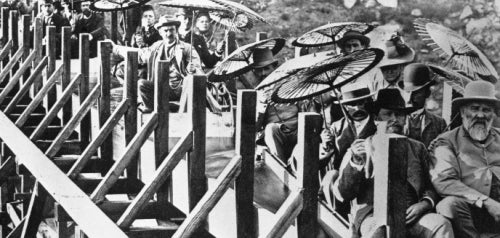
(179, 48)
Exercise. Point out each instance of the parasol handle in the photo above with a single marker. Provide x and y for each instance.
(344, 111)
(323, 111)
(192, 33)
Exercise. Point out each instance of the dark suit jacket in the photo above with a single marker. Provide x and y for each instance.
(433, 127)
(209, 59)
(353, 184)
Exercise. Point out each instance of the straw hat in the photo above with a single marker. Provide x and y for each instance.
(165, 21)
(354, 92)
(397, 52)
(478, 91)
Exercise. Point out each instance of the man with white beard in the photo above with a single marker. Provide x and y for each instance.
(466, 169)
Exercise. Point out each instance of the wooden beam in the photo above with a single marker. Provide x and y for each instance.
(6, 50)
(39, 97)
(85, 125)
(307, 172)
(25, 88)
(103, 133)
(50, 50)
(120, 165)
(286, 215)
(66, 74)
(35, 211)
(390, 181)
(131, 77)
(159, 177)
(68, 92)
(197, 182)
(104, 49)
(7, 169)
(246, 214)
(14, 81)
(114, 26)
(5, 25)
(197, 216)
(38, 47)
(13, 29)
(10, 67)
(78, 205)
(26, 39)
(73, 123)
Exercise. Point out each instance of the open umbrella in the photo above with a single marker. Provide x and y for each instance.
(328, 34)
(241, 59)
(460, 52)
(115, 5)
(456, 80)
(242, 13)
(204, 5)
(327, 75)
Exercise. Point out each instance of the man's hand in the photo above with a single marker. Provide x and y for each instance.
(326, 135)
(358, 151)
(74, 37)
(190, 68)
(493, 208)
(417, 210)
(220, 47)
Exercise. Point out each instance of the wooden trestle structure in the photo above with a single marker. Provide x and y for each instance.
(53, 167)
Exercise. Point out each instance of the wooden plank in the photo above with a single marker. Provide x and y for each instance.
(38, 47)
(7, 169)
(196, 217)
(66, 74)
(158, 178)
(196, 160)
(104, 102)
(13, 214)
(6, 50)
(261, 36)
(35, 211)
(14, 81)
(246, 215)
(51, 66)
(11, 65)
(85, 125)
(17, 231)
(120, 165)
(131, 77)
(25, 88)
(307, 172)
(78, 205)
(114, 26)
(13, 29)
(286, 215)
(5, 25)
(68, 93)
(101, 136)
(151, 210)
(331, 223)
(390, 179)
(73, 122)
(62, 219)
(39, 97)
(26, 41)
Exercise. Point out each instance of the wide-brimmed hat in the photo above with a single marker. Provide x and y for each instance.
(166, 21)
(354, 92)
(415, 77)
(262, 57)
(349, 35)
(397, 52)
(390, 98)
(478, 91)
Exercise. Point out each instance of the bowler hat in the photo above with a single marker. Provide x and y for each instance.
(478, 91)
(262, 57)
(415, 77)
(397, 52)
(349, 35)
(165, 21)
(390, 98)
(354, 92)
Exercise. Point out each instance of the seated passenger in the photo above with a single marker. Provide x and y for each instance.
(356, 182)
(90, 22)
(467, 165)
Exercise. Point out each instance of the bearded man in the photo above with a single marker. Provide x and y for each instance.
(467, 165)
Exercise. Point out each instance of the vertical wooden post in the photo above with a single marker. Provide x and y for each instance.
(390, 182)
(246, 214)
(85, 126)
(5, 25)
(66, 75)
(307, 172)
(104, 102)
(51, 65)
(114, 26)
(34, 214)
(161, 106)
(197, 181)
(62, 219)
(261, 36)
(131, 66)
(14, 35)
(26, 42)
(38, 47)
(446, 106)
(230, 39)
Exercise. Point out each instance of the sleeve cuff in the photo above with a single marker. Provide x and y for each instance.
(359, 167)
(430, 200)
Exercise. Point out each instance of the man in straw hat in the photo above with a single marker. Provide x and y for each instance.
(171, 49)
(422, 125)
(467, 164)
(356, 183)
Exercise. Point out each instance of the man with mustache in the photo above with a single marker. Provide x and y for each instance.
(356, 182)
(87, 22)
(467, 165)
(416, 86)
